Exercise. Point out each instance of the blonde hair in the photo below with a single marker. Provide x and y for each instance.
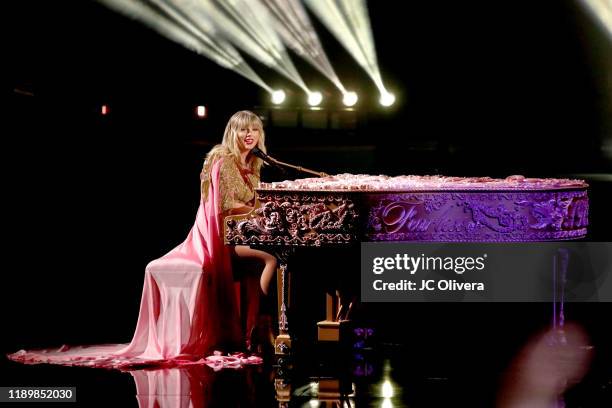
(230, 144)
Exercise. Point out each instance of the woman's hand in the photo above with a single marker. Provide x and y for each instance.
(240, 209)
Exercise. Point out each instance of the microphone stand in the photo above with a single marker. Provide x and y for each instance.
(298, 168)
(267, 158)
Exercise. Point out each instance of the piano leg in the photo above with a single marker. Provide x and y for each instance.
(329, 329)
(282, 344)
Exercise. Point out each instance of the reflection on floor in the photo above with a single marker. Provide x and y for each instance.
(361, 373)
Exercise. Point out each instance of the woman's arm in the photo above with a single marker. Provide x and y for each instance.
(239, 208)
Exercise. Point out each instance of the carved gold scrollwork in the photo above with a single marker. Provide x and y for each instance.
(296, 220)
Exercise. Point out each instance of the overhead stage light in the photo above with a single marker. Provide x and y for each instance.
(278, 96)
(201, 111)
(314, 98)
(350, 98)
(387, 99)
(349, 22)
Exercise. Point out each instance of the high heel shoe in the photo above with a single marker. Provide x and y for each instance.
(251, 340)
(261, 337)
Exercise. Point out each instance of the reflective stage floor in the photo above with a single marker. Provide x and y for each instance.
(367, 373)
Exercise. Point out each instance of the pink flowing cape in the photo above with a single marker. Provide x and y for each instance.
(189, 304)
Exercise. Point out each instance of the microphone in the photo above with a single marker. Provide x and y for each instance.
(263, 156)
(271, 161)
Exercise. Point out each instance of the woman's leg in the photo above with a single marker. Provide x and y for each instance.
(260, 335)
(269, 261)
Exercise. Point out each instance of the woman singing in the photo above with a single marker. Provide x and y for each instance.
(189, 304)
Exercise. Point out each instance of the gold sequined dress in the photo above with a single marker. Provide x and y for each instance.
(236, 185)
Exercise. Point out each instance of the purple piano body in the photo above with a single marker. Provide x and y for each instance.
(347, 209)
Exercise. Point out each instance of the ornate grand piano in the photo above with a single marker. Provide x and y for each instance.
(347, 209)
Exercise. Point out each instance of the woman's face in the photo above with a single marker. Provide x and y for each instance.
(248, 136)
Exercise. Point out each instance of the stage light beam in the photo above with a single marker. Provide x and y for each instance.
(199, 35)
(294, 27)
(247, 24)
(602, 10)
(349, 22)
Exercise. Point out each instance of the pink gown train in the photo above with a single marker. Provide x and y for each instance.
(189, 304)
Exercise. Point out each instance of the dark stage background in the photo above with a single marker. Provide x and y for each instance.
(483, 90)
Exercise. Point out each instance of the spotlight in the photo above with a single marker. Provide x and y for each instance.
(278, 97)
(350, 98)
(201, 111)
(314, 98)
(387, 99)
(104, 110)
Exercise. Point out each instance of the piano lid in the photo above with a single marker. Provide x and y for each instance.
(369, 183)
